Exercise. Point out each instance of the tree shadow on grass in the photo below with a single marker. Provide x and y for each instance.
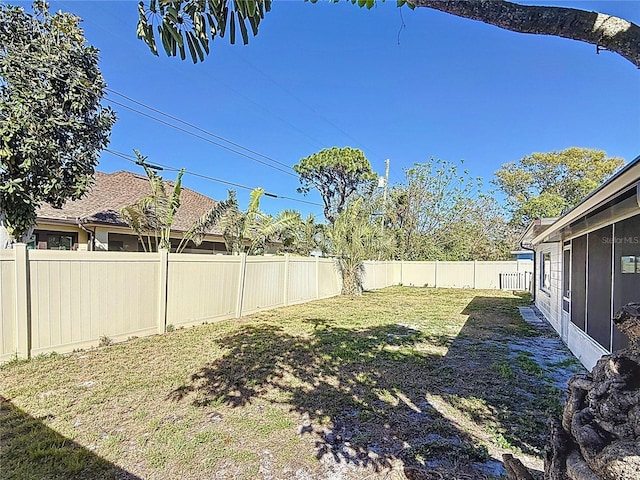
(360, 392)
(391, 394)
(31, 450)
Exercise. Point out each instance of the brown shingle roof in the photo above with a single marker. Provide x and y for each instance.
(114, 191)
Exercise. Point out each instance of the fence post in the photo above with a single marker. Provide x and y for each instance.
(435, 276)
(163, 258)
(241, 277)
(387, 266)
(23, 310)
(317, 277)
(286, 280)
(475, 270)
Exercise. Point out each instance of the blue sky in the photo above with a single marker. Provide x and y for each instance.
(410, 87)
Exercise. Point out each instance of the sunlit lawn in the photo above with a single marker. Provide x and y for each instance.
(403, 381)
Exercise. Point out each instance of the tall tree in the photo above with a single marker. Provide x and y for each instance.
(52, 126)
(337, 173)
(184, 24)
(549, 184)
(441, 213)
(354, 238)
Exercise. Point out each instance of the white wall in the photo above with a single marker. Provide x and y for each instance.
(584, 347)
(550, 304)
(549, 301)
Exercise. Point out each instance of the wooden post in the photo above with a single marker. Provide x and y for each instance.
(241, 277)
(22, 307)
(163, 275)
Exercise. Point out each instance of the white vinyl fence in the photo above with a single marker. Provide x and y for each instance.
(478, 275)
(61, 301)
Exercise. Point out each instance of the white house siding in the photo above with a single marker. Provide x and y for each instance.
(584, 347)
(549, 301)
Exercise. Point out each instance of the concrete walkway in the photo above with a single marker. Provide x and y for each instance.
(529, 315)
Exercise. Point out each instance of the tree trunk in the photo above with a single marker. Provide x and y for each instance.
(604, 31)
(351, 282)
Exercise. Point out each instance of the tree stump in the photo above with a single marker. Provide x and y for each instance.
(599, 435)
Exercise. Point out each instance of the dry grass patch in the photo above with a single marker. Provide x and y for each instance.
(403, 382)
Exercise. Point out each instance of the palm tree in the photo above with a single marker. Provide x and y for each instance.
(354, 238)
(303, 236)
(154, 214)
(201, 226)
(250, 231)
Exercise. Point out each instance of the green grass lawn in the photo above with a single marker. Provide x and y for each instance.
(397, 383)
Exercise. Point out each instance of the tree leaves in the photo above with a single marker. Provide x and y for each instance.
(154, 214)
(549, 184)
(440, 213)
(354, 238)
(337, 173)
(190, 25)
(52, 126)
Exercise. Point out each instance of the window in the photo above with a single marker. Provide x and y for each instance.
(116, 245)
(59, 242)
(545, 271)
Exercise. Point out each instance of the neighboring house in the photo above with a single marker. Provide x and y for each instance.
(588, 265)
(94, 221)
(522, 255)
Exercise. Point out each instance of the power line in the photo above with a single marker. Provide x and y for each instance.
(207, 177)
(195, 127)
(183, 130)
(168, 124)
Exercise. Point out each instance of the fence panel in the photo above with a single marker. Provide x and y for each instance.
(418, 274)
(78, 297)
(455, 274)
(201, 288)
(381, 274)
(396, 273)
(374, 276)
(488, 273)
(302, 280)
(8, 333)
(264, 284)
(329, 281)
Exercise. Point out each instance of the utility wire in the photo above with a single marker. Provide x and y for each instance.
(195, 127)
(183, 130)
(188, 132)
(207, 177)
